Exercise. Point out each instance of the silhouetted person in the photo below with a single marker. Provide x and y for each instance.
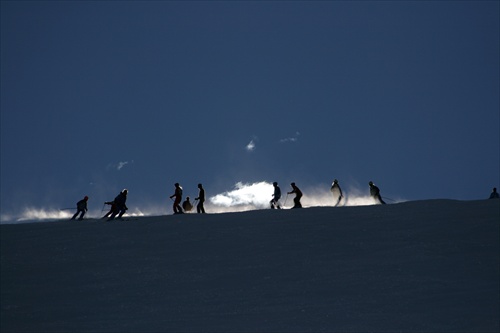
(120, 206)
(298, 195)
(201, 197)
(375, 193)
(494, 194)
(81, 208)
(178, 198)
(337, 192)
(187, 205)
(276, 197)
(111, 209)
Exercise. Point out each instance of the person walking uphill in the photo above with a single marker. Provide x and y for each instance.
(298, 195)
(276, 197)
(201, 197)
(81, 208)
(375, 193)
(119, 205)
(178, 198)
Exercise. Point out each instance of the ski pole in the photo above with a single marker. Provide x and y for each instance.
(193, 205)
(284, 205)
(66, 208)
(386, 198)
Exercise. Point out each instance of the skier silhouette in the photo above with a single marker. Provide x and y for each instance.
(201, 196)
(337, 192)
(298, 195)
(276, 197)
(178, 198)
(81, 208)
(375, 193)
(111, 209)
(494, 194)
(119, 205)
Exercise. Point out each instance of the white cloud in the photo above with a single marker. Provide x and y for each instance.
(118, 166)
(245, 196)
(121, 165)
(250, 146)
(294, 138)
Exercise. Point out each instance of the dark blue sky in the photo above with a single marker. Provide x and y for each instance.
(402, 93)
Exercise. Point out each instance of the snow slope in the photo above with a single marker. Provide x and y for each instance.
(426, 266)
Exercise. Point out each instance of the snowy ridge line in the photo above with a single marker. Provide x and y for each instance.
(65, 217)
(242, 197)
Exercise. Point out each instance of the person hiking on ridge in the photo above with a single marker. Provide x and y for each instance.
(337, 192)
(178, 198)
(298, 195)
(81, 207)
(119, 205)
(375, 193)
(201, 196)
(276, 197)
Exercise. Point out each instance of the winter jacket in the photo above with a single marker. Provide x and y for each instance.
(277, 193)
(82, 205)
(120, 201)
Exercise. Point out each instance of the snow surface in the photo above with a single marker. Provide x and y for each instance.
(426, 266)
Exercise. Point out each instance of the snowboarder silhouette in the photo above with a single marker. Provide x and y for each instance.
(276, 197)
(375, 193)
(178, 197)
(81, 208)
(298, 195)
(337, 192)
